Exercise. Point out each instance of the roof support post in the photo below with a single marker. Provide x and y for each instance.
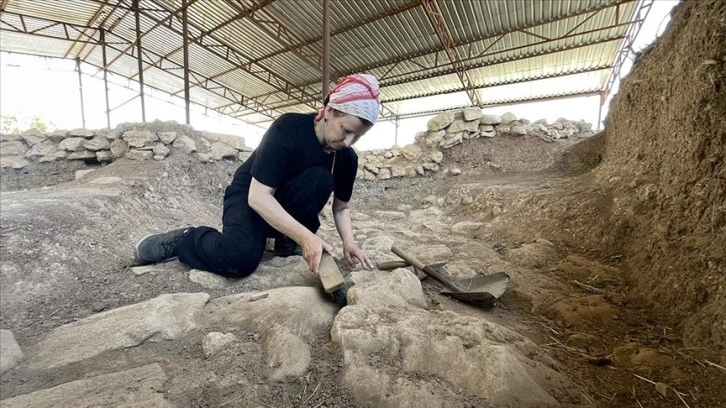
(644, 7)
(138, 58)
(603, 96)
(80, 90)
(326, 47)
(395, 136)
(433, 12)
(105, 76)
(185, 36)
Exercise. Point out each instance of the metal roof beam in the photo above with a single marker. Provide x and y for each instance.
(436, 70)
(248, 102)
(433, 12)
(240, 61)
(511, 82)
(420, 74)
(243, 13)
(73, 28)
(233, 96)
(498, 35)
(139, 36)
(101, 26)
(503, 103)
(630, 36)
(275, 29)
(412, 5)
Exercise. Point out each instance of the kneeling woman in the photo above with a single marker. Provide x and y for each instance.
(280, 190)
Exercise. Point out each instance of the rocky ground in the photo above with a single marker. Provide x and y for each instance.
(83, 327)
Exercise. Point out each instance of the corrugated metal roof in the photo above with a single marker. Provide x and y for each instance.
(260, 58)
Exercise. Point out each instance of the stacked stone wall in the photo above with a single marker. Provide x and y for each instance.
(157, 140)
(452, 128)
(140, 141)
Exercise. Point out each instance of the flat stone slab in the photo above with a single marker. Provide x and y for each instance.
(162, 318)
(138, 387)
(10, 352)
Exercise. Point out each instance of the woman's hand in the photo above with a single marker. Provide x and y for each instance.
(312, 250)
(353, 254)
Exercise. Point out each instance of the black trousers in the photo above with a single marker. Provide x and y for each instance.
(238, 249)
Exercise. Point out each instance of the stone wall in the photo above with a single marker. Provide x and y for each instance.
(157, 140)
(140, 141)
(451, 128)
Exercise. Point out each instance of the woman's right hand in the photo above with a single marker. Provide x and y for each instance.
(312, 250)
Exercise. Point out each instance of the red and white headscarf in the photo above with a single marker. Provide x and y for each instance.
(357, 95)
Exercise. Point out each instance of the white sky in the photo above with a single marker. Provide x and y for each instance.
(48, 88)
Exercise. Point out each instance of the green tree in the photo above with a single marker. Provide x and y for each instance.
(9, 124)
(38, 123)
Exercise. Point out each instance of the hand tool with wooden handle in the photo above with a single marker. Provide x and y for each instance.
(332, 279)
(480, 290)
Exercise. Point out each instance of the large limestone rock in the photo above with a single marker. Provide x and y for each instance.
(10, 352)
(434, 138)
(487, 119)
(72, 144)
(33, 136)
(221, 151)
(81, 132)
(472, 113)
(473, 357)
(139, 138)
(411, 152)
(82, 155)
(13, 148)
(15, 162)
(167, 137)
(508, 118)
(138, 387)
(160, 151)
(45, 148)
(135, 154)
(162, 318)
(54, 156)
(288, 318)
(398, 171)
(57, 135)
(185, 143)
(441, 121)
(236, 142)
(119, 148)
(452, 140)
(464, 126)
(375, 293)
(97, 143)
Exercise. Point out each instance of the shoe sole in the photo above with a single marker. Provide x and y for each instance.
(141, 262)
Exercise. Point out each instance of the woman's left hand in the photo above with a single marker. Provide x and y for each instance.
(353, 255)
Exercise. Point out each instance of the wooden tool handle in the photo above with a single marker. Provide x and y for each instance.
(391, 265)
(330, 274)
(428, 271)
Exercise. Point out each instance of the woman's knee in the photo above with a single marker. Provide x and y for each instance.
(238, 264)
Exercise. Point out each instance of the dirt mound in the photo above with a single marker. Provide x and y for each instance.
(657, 198)
(667, 133)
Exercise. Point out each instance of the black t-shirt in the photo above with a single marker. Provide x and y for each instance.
(290, 146)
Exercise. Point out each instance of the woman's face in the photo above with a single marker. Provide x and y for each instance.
(343, 130)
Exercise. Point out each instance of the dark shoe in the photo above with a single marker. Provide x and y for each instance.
(285, 247)
(156, 248)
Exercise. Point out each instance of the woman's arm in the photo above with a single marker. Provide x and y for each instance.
(341, 216)
(262, 199)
